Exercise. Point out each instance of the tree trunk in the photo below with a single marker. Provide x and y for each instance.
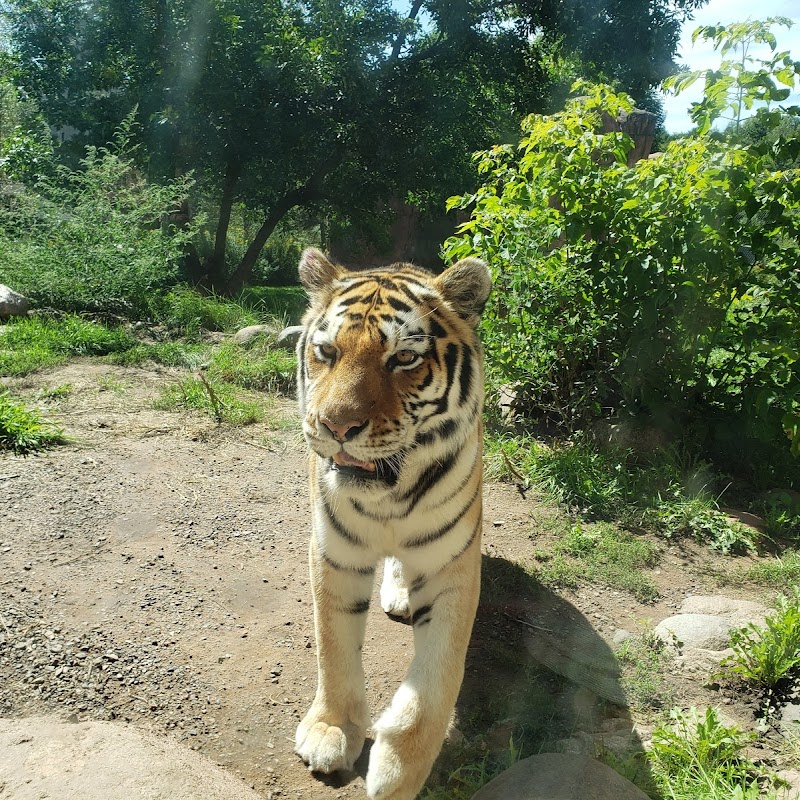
(215, 265)
(292, 198)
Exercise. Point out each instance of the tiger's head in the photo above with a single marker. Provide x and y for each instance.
(388, 362)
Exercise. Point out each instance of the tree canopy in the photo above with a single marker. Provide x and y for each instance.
(279, 103)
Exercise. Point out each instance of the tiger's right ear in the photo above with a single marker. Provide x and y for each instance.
(316, 272)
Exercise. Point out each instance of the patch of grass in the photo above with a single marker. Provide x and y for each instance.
(781, 573)
(462, 783)
(600, 554)
(56, 392)
(256, 367)
(644, 661)
(23, 431)
(695, 756)
(286, 303)
(782, 516)
(696, 518)
(669, 495)
(188, 311)
(219, 400)
(32, 343)
(170, 354)
(768, 657)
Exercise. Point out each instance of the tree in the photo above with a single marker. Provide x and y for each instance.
(279, 104)
(738, 84)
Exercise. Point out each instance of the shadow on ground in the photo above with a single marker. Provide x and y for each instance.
(539, 678)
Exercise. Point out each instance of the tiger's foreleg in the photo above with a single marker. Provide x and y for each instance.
(410, 732)
(331, 735)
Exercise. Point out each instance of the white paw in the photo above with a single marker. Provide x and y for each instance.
(394, 594)
(385, 775)
(395, 602)
(327, 748)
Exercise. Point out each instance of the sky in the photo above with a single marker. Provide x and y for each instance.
(701, 55)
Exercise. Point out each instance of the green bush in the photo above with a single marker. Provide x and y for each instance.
(95, 238)
(668, 289)
(695, 756)
(769, 656)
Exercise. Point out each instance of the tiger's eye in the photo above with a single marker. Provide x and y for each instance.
(327, 350)
(406, 357)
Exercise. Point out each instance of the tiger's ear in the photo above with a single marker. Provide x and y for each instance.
(316, 272)
(466, 286)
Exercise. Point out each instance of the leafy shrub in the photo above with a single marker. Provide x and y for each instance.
(669, 288)
(769, 656)
(697, 757)
(23, 431)
(696, 518)
(96, 238)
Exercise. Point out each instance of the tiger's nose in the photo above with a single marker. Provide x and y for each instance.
(343, 431)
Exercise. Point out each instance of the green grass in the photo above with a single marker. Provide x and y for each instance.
(644, 661)
(600, 554)
(188, 311)
(219, 400)
(694, 756)
(287, 303)
(170, 354)
(669, 494)
(23, 431)
(462, 783)
(256, 367)
(781, 573)
(33, 343)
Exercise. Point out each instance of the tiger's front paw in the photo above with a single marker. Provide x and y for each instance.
(327, 746)
(391, 776)
(395, 603)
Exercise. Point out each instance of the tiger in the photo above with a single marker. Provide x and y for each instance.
(390, 388)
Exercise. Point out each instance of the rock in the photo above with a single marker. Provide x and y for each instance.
(248, 334)
(792, 791)
(43, 757)
(288, 337)
(620, 636)
(739, 611)
(704, 631)
(560, 776)
(12, 304)
(790, 719)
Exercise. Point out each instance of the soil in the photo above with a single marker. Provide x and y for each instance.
(153, 571)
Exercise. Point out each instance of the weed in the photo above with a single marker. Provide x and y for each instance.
(696, 518)
(768, 656)
(601, 554)
(782, 516)
(111, 383)
(695, 756)
(23, 431)
(56, 392)
(217, 399)
(644, 660)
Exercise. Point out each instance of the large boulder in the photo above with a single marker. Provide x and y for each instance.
(560, 776)
(41, 757)
(12, 304)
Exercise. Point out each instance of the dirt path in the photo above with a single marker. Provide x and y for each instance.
(154, 571)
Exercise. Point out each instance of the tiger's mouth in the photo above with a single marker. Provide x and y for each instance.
(380, 469)
(344, 462)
